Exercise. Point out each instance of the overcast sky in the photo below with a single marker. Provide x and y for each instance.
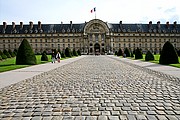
(78, 11)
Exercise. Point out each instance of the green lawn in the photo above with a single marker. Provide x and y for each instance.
(156, 60)
(9, 64)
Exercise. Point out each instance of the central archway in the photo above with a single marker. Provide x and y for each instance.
(96, 49)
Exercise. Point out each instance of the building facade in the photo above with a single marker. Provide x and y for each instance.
(90, 37)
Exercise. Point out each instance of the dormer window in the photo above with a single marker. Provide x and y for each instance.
(68, 30)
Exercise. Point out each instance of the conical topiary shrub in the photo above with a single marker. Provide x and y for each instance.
(119, 52)
(11, 53)
(115, 53)
(126, 51)
(168, 54)
(25, 54)
(63, 54)
(132, 55)
(44, 57)
(75, 52)
(15, 52)
(149, 56)
(0, 57)
(138, 54)
(7, 53)
(79, 52)
(3, 55)
(68, 52)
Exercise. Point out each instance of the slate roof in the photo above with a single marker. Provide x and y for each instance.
(78, 28)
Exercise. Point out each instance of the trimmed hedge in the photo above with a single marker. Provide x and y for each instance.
(63, 54)
(138, 54)
(119, 52)
(68, 52)
(11, 53)
(44, 57)
(75, 52)
(168, 54)
(127, 52)
(7, 53)
(79, 52)
(25, 54)
(0, 57)
(149, 56)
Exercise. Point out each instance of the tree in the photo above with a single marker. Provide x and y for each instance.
(149, 56)
(79, 52)
(44, 57)
(68, 52)
(138, 54)
(15, 52)
(75, 52)
(119, 52)
(63, 54)
(115, 53)
(126, 51)
(0, 57)
(3, 55)
(7, 53)
(25, 54)
(168, 54)
(11, 53)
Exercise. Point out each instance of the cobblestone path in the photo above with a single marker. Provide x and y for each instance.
(93, 88)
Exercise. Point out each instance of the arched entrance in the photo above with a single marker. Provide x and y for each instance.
(97, 49)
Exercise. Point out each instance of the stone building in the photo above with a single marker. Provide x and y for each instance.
(90, 37)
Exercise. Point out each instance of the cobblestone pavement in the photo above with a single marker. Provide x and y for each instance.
(93, 88)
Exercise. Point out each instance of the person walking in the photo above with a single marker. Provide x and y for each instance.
(53, 57)
(58, 57)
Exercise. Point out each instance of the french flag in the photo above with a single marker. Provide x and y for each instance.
(93, 10)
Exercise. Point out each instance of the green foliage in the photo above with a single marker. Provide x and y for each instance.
(63, 54)
(68, 52)
(115, 53)
(138, 54)
(79, 52)
(1, 52)
(132, 55)
(7, 53)
(15, 52)
(149, 56)
(44, 57)
(0, 57)
(119, 52)
(4, 56)
(25, 54)
(127, 52)
(11, 53)
(168, 54)
(75, 52)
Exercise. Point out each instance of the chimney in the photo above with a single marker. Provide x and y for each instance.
(39, 25)
(31, 25)
(13, 25)
(167, 24)
(175, 23)
(4, 25)
(71, 24)
(120, 22)
(150, 24)
(158, 24)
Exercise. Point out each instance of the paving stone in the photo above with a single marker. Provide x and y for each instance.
(95, 87)
(102, 118)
